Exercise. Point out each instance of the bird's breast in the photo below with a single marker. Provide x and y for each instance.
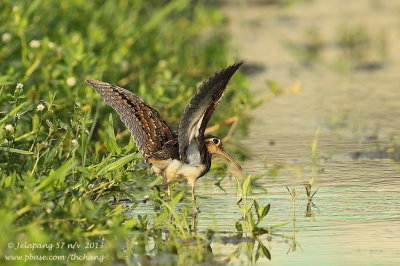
(175, 170)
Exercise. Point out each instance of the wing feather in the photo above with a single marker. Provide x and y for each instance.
(199, 111)
(149, 131)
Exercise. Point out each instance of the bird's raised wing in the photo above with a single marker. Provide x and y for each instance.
(198, 112)
(149, 131)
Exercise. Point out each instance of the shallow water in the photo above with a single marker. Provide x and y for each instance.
(354, 218)
(355, 215)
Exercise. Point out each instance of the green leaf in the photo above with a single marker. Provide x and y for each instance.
(257, 209)
(130, 224)
(156, 181)
(56, 175)
(279, 225)
(111, 142)
(35, 122)
(117, 164)
(261, 211)
(102, 164)
(163, 217)
(83, 170)
(176, 217)
(246, 186)
(176, 199)
(265, 210)
(239, 188)
(130, 146)
(239, 201)
(248, 207)
(7, 149)
(257, 254)
(13, 112)
(251, 221)
(239, 226)
(50, 155)
(143, 221)
(264, 249)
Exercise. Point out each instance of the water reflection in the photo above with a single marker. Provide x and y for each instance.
(212, 244)
(352, 207)
(310, 196)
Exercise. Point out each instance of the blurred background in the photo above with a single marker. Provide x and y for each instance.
(313, 117)
(328, 74)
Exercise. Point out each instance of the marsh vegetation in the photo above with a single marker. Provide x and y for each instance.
(67, 163)
(321, 172)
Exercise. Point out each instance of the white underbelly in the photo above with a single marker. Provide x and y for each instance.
(174, 170)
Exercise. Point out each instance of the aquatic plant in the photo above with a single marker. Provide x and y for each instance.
(63, 158)
(248, 225)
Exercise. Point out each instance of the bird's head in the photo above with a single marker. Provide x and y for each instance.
(214, 146)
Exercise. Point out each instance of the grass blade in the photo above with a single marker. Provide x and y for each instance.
(13, 112)
(118, 163)
(56, 175)
(7, 149)
(111, 142)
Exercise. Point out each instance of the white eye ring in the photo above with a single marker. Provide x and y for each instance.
(216, 141)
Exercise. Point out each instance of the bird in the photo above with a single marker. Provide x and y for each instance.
(183, 155)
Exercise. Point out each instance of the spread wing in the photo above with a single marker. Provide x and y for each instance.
(149, 131)
(198, 112)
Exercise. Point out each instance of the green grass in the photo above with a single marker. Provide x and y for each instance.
(63, 157)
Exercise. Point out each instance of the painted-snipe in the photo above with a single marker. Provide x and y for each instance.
(177, 156)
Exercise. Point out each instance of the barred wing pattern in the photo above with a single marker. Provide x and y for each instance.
(199, 111)
(149, 131)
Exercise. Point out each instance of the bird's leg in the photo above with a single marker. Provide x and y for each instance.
(194, 222)
(169, 190)
(193, 195)
(195, 205)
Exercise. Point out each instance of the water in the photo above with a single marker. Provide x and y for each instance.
(354, 218)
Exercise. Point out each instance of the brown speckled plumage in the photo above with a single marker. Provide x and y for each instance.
(149, 131)
(183, 155)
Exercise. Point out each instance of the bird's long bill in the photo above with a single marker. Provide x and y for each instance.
(227, 156)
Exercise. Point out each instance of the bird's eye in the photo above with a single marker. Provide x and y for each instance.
(216, 141)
